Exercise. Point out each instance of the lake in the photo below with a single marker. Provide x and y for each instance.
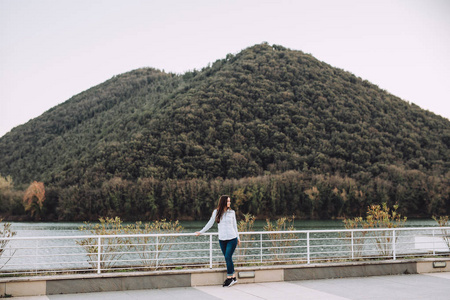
(25, 229)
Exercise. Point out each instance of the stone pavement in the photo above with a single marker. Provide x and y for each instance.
(434, 286)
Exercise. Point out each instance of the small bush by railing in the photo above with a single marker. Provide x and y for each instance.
(106, 255)
(245, 225)
(151, 249)
(443, 222)
(281, 236)
(5, 235)
(378, 216)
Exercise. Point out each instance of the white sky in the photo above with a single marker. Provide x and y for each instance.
(52, 50)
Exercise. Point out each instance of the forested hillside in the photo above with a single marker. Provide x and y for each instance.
(276, 128)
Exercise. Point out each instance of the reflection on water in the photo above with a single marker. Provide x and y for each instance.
(72, 228)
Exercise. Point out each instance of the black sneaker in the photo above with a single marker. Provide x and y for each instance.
(228, 282)
(234, 280)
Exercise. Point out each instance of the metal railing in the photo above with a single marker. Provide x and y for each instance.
(114, 253)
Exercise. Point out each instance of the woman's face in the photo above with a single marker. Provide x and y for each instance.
(228, 202)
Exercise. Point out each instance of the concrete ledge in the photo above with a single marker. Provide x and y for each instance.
(17, 289)
(267, 276)
(426, 266)
(207, 278)
(2, 288)
(324, 272)
(84, 283)
(216, 278)
(72, 286)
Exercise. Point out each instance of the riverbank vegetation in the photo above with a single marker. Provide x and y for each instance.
(306, 195)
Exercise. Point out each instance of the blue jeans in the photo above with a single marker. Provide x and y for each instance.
(228, 248)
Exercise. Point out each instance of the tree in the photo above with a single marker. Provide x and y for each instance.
(6, 186)
(33, 199)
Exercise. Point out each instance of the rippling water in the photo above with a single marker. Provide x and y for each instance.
(24, 229)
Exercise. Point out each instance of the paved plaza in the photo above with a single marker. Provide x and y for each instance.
(417, 286)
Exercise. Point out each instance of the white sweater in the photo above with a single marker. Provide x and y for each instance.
(227, 226)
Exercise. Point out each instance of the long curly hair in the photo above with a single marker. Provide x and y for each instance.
(221, 207)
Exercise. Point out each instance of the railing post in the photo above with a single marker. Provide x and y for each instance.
(393, 245)
(260, 246)
(353, 256)
(99, 254)
(307, 248)
(210, 251)
(157, 252)
(434, 249)
(36, 256)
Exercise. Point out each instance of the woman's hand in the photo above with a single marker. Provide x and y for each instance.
(239, 242)
(198, 233)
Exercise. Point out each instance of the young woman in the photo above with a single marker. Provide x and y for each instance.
(228, 234)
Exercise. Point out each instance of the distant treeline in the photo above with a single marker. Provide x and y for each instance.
(303, 194)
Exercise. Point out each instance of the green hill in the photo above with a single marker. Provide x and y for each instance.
(278, 129)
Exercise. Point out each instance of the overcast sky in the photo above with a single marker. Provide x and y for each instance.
(52, 50)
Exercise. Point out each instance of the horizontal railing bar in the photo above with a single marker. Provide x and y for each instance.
(48, 271)
(52, 263)
(215, 233)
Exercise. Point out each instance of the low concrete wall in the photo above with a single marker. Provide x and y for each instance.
(426, 265)
(89, 285)
(85, 283)
(324, 272)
